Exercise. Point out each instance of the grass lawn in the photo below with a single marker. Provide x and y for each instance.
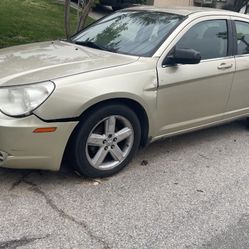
(24, 21)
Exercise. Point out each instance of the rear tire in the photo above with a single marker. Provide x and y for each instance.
(105, 142)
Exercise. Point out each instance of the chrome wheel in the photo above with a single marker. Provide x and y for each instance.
(105, 140)
(109, 142)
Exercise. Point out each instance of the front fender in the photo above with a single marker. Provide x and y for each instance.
(75, 94)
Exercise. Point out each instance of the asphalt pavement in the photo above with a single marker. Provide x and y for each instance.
(190, 191)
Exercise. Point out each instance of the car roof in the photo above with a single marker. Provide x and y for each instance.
(187, 10)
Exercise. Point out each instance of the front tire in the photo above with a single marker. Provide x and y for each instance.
(105, 142)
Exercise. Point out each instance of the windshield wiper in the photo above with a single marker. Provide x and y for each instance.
(94, 45)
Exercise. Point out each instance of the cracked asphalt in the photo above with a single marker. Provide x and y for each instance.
(190, 191)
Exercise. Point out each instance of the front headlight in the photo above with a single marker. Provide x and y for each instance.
(18, 101)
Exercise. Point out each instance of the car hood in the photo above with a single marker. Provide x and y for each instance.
(50, 60)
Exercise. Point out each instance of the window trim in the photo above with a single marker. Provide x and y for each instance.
(231, 44)
(230, 40)
(228, 49)
(235, 53)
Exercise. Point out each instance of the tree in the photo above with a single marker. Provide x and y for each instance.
(84, 7)
(67, 18)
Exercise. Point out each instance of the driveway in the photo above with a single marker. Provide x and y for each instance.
(189, 191)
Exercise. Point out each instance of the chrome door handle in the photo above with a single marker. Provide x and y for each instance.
(223, 66)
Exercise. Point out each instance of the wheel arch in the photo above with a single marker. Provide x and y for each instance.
(133, 105)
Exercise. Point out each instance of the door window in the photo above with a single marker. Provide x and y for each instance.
(242, 29)
(210, 38)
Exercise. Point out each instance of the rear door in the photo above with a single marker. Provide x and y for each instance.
(239, 99)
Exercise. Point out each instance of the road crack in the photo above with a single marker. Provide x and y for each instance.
(13, 244)
(19, 181)
(64, 215)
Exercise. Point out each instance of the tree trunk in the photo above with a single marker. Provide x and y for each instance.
(67, 18)
(81, 13)
(84, 14)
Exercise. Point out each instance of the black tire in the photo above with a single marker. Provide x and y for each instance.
(79, 153)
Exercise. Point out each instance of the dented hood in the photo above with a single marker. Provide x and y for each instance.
(50, 60)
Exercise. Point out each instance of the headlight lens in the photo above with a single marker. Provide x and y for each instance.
(18, 101)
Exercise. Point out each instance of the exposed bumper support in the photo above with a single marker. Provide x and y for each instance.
(20, 147)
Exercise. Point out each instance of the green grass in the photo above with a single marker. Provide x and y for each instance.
(25, 21)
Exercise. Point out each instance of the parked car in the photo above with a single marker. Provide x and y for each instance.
(119, 4)
(208, 3)
(127, 80)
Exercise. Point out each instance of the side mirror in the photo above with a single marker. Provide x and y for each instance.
(183, 56)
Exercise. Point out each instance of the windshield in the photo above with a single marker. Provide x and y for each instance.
(137, 33)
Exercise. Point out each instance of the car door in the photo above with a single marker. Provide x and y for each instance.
(192, 96)
(238, 103)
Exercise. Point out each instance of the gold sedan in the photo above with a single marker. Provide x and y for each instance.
(131, 78)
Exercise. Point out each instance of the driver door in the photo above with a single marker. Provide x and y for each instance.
(192, 96)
